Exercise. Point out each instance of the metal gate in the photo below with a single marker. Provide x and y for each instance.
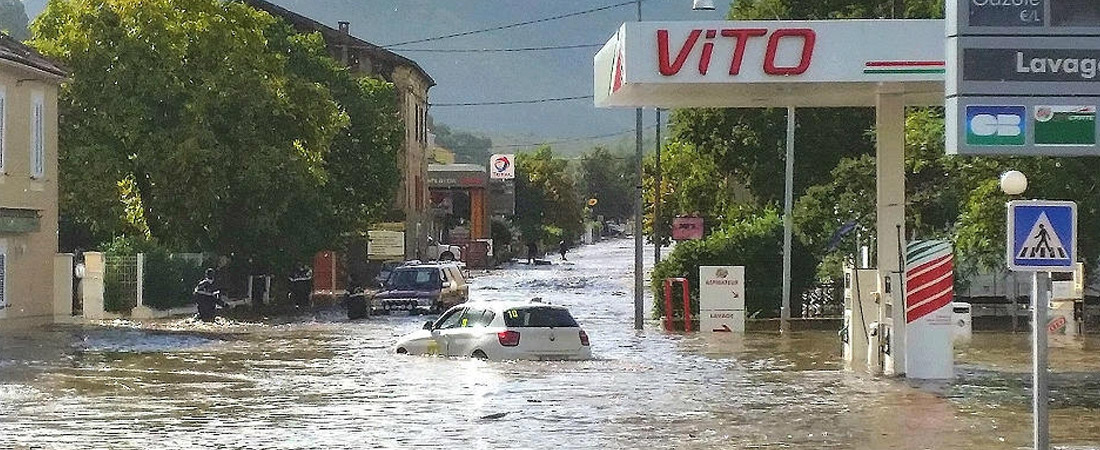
(121, 285)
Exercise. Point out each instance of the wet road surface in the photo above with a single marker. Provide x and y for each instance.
(324, 382)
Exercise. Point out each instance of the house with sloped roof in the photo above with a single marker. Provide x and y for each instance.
(29, 85)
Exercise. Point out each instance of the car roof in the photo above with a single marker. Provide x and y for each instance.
(501, 305)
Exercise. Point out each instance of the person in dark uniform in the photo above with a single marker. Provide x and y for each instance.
(562, 248)
(207, 298)
(532, 250)
(301, 283)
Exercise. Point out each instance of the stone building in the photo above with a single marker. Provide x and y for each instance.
(412, 84)
(28, 186)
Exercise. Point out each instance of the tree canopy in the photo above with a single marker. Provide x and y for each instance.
(548, 207)
(607, 178)
(208, 125)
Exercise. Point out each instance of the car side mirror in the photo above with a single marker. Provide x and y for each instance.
(428, 325)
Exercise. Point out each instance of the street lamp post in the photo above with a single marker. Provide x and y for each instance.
(1015, 183)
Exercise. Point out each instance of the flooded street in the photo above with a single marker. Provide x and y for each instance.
(325, 382)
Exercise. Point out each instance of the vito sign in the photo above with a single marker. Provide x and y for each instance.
(740, 38)
(764, 63)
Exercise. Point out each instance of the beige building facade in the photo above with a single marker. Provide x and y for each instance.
(412, 84)
(28, 184)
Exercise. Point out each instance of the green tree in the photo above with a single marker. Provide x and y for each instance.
(13, 19)
(547, 205)
(607, 178)
(183, 123)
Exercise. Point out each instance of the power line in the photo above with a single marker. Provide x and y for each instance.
(514, 25)
(516, 102)
(497, 50)
(555, 142)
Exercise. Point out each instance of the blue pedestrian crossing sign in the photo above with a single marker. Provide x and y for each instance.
(1042, 236)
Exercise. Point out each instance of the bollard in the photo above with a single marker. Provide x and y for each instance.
(685, 284)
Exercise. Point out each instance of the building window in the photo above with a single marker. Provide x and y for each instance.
(38, 135)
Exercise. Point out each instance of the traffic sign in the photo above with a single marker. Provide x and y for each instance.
(1042, 236)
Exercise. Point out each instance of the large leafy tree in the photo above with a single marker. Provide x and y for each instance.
(606, 177)
(204, 125)
(550, 205)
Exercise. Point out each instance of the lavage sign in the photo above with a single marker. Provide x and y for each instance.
(1083, 67)
(1014, 64)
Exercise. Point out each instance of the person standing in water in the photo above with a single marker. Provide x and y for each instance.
(207, 298)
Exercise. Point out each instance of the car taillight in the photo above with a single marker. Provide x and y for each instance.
(584, 338)
(508, 338)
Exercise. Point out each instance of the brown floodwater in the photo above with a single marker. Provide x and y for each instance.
(320, 381)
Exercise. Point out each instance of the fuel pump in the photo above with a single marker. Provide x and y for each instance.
(890, 296)
(860, 313)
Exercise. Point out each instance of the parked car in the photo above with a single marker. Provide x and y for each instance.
(501, 331)
(388, 267)
(420, 288)
(444, 252)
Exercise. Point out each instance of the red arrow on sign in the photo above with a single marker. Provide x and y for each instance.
(724, 329)
(1057, 324)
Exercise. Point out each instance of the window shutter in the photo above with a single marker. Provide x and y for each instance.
(38, 135)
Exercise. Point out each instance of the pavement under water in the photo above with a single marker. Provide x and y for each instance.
(320, 381)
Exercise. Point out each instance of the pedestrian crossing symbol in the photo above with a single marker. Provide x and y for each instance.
(1042, 236)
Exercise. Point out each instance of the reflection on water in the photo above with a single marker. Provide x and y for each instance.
(323, 382)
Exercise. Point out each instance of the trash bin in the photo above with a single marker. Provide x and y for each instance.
(961, 322)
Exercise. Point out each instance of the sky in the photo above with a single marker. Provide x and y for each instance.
(484, 77)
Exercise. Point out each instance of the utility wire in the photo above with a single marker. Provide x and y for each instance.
(514, 25)
(496, 50)
(515, 102)
(551, 143)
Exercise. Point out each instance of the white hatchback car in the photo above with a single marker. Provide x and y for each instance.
(501, 331)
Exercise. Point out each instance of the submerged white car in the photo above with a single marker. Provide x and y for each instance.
(501, 331)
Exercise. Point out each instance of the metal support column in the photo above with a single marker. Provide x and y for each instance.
(788, 225)
(890, 209)
(657, 229)
(1040, 301)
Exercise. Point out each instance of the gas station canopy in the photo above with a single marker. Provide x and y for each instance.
(770, 63)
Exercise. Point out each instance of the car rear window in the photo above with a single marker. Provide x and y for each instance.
(538, 316)
(414, 278)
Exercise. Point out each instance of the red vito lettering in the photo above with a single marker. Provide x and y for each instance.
(741, 36)
(808, 39)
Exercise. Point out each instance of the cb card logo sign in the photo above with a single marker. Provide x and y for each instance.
(502, 167)
(996, 125)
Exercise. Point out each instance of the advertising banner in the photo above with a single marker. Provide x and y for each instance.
(929, 290)
(722, 299)
(502, 167)
(687, 228)
(386, 244)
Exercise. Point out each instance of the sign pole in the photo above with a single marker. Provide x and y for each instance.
(1040, 299)
(788, 226)
(638, 250)
(657, 229)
